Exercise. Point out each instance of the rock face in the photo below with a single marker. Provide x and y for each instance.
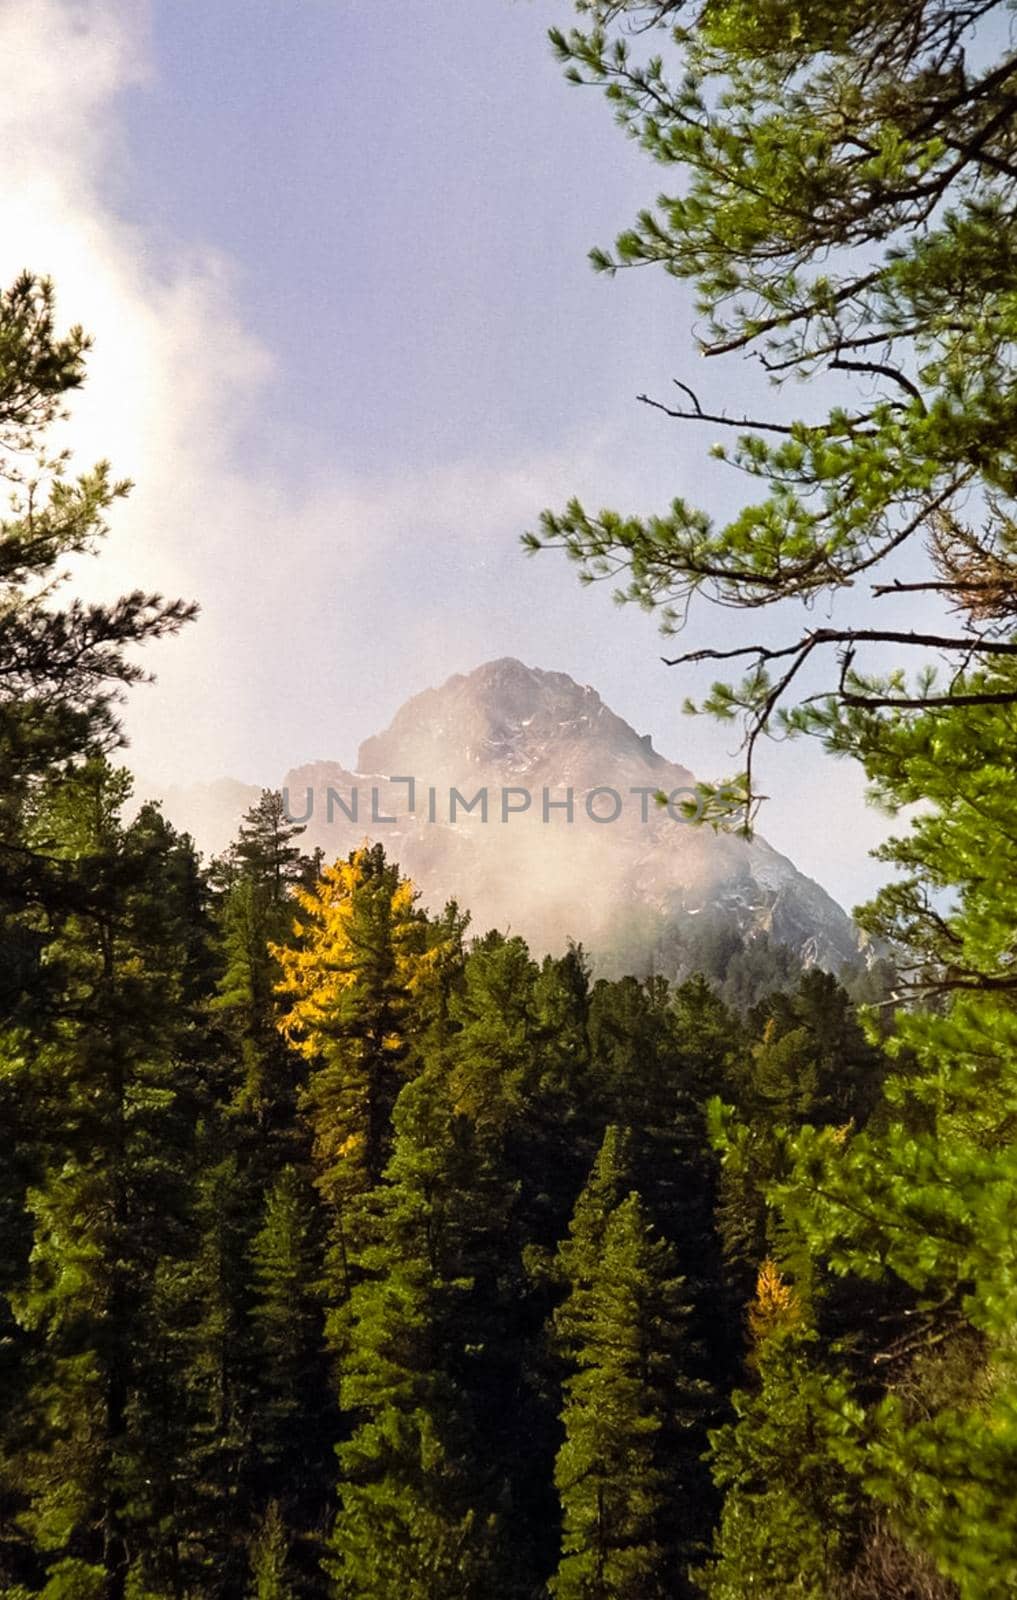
(513, 724)
(611, 861)
(573, 844)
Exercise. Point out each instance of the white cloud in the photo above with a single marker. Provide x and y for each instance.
(173, 379)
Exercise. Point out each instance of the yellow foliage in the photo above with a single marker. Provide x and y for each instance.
(356, 980)
(333, 953)
(776, 1306)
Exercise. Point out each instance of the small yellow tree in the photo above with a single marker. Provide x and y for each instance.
(776, 1306)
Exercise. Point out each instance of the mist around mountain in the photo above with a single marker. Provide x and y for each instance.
(520, 794)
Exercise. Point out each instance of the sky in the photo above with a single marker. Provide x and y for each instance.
(348, 345)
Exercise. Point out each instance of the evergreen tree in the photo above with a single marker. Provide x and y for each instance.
(519, 1074)
(61, 671)
(786, 1525)
(285, 1265)
(919, 1195)
(258, 1387)
(259, 875)
(265, 850)
(220, 1360)
(295, 1421)
(624, 1326)
(269, 1559)
(809, 1064)
(845, 203)
(421, 1493)
(118, 1078)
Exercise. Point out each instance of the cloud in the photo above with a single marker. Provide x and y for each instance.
(295, 571)
(173, 372)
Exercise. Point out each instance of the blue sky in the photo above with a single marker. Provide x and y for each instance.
(408, 192)
(348, 344)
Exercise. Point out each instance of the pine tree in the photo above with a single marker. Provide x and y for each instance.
(789, 1514)
(61, 673)
(492, 1054)
(269, 1555)
(295, 1422)
(248, 1405)
(623, 1326)
(259, 874)
(448, 1468)
(519, 1077)
(842, 192)
(265, 850)
(118, 1079)
(285, 1264)
(61, 670)
(220, 1364)
(421, 1493)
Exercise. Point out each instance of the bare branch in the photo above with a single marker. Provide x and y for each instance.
(850, 636)
(880, 369)
(699, 415)
(943, 585)
(927, 702)
(691, 394)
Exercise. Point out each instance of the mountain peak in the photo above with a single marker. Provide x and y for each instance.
(623, 876)
(506, 718)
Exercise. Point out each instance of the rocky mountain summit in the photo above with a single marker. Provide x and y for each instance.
(520, 794)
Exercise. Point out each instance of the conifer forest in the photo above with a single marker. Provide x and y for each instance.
(351, 1250)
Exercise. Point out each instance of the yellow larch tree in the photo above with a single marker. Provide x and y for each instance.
(359, 981)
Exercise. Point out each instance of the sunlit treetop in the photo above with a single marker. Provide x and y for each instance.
(358, 931)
